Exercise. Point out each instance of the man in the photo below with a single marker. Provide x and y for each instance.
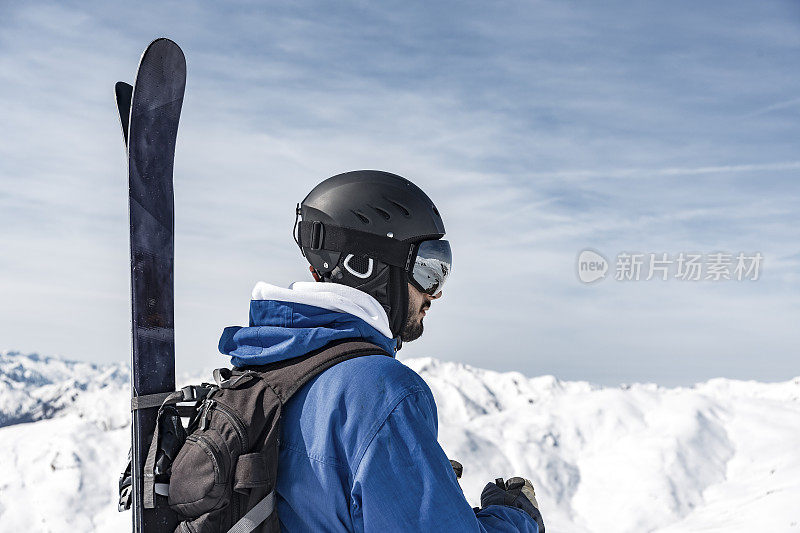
(358, 449)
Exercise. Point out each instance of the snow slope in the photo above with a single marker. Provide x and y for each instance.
(719, 456)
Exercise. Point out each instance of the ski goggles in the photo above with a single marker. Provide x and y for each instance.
(433, 262)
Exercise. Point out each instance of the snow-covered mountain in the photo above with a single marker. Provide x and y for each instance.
(719, 456)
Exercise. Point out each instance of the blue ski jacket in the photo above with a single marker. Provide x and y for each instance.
(358, 449)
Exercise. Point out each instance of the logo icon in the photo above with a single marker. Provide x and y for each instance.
(591, 266)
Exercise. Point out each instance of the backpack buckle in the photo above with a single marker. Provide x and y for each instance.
(192, 393)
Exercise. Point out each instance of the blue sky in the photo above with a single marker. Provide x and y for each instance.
(538, 128)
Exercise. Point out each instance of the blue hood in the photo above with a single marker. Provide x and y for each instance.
(281, 330)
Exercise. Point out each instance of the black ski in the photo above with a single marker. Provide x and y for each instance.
(150, 128)
(123, 93)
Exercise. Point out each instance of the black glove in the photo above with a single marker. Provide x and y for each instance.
(516, 492)
(457, 468)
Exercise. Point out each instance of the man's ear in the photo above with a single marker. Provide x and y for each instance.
(314, 273)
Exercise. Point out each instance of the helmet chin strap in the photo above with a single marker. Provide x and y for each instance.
(398, 301)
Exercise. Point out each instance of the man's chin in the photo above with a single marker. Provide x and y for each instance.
(412, 332)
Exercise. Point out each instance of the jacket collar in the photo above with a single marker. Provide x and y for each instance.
(330, 296)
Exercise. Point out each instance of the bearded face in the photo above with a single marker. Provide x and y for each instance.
(418, 304)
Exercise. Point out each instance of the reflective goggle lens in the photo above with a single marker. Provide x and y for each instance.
(432, 266)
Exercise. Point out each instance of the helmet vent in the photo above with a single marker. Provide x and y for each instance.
(382, 212)
(361, 216)
(403, 209)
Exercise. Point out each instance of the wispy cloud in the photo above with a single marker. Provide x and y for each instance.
(778, 106)
(538, 130)
(643, 173)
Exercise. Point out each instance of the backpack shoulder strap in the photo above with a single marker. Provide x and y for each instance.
(287, 377)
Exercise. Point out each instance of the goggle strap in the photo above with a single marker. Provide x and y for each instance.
(318, 236)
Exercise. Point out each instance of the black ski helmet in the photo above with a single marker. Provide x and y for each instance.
(360, 228)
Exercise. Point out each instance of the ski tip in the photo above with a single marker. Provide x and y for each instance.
(123, 94)
(121, 86)
(164, 41)
(164, 44)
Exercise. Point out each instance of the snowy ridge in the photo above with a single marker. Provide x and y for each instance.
(719, 456)
(34, 387)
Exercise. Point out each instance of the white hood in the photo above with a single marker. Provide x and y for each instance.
(331, 296)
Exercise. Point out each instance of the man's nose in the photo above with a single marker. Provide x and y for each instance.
(437, 295)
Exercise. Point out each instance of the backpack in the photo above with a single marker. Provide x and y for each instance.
(219, 474)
